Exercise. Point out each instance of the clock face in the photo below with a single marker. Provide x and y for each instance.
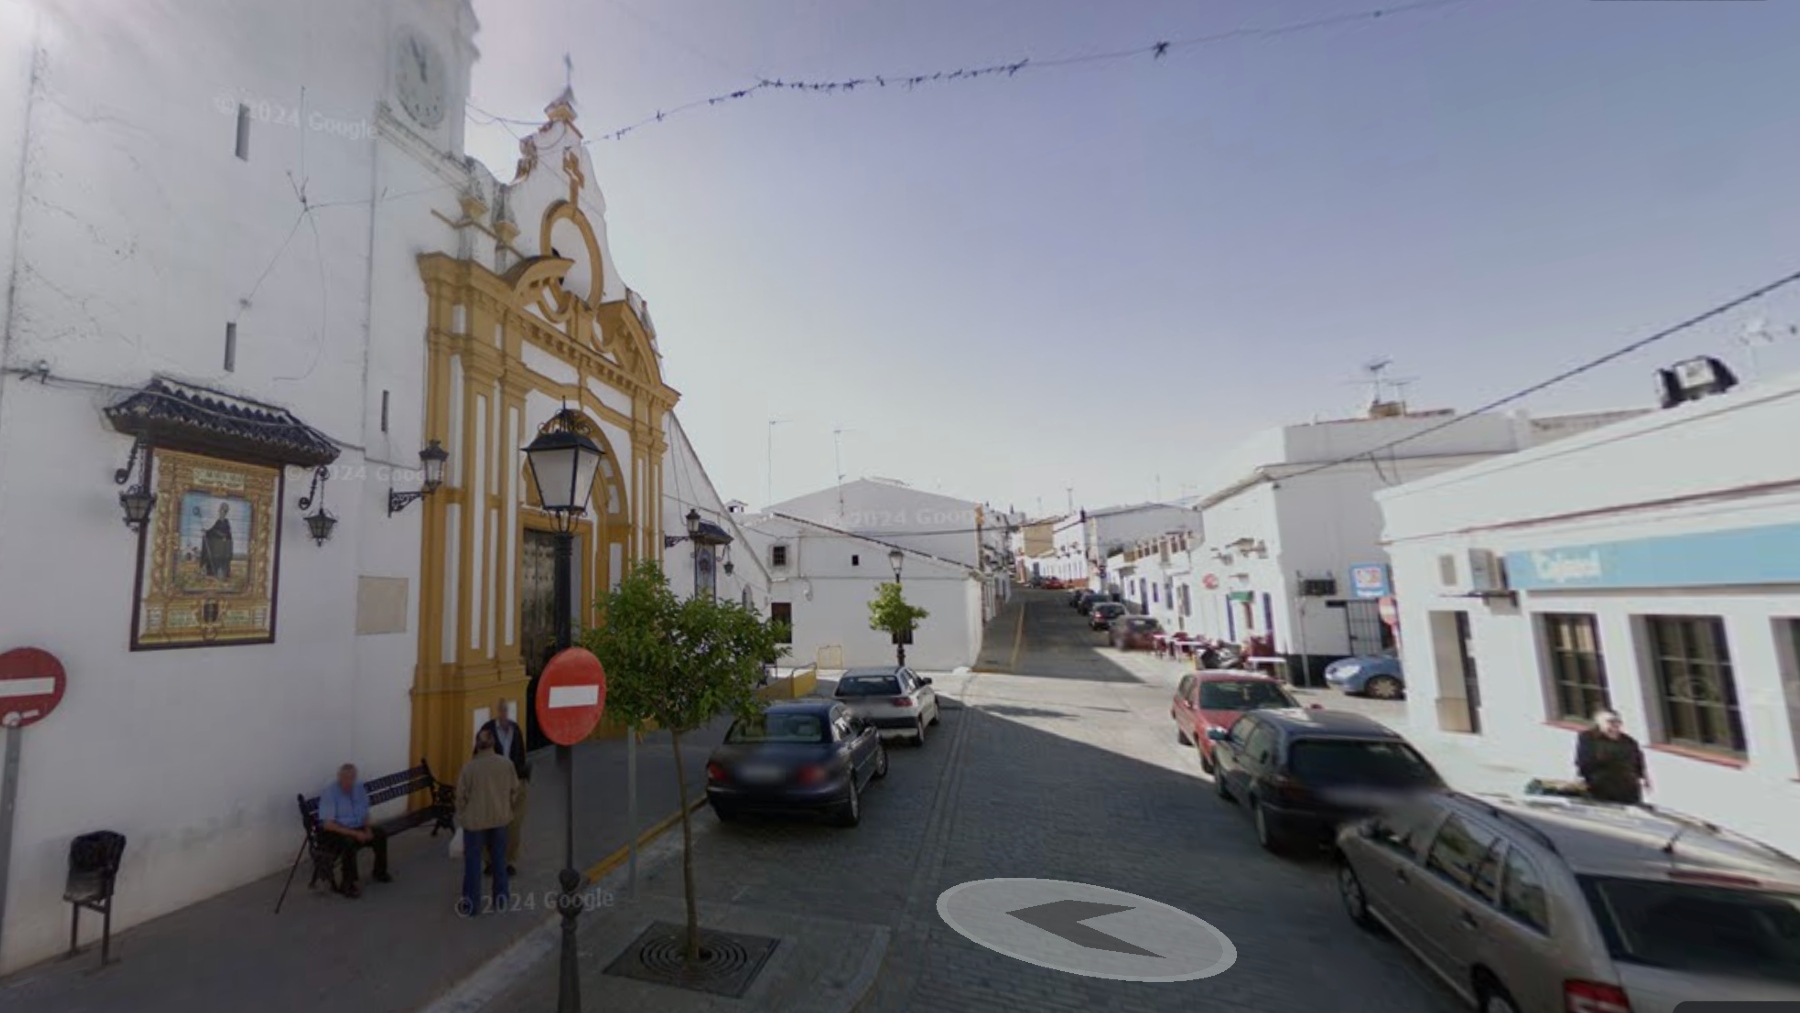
(420, 80)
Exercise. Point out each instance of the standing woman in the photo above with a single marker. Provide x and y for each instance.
(1611, 762)
(486, 791)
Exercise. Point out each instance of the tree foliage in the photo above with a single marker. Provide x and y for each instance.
(891, 613)
(678, 664)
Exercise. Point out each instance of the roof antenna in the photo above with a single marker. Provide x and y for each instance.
(1669, 847)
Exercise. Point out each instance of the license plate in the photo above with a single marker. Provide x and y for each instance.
(760, 773)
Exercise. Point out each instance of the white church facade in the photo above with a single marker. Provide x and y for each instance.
(264, 315)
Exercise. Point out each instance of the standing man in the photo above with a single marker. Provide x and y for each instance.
(509, 742)
(344, 817)
(485, 792)
(1611, 762)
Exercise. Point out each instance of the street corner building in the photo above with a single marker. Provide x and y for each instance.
(268, 372)
(1651, 567)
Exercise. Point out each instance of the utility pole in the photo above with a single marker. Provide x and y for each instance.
(1071, 491)
(769, 486)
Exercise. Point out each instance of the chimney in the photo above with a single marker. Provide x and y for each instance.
(1387, 409)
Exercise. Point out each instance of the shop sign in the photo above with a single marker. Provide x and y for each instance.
(1370, 580)
(1745, 556)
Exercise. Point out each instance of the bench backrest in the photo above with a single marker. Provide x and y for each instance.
(386, 788)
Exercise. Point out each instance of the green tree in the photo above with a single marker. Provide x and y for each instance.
(890, 613)
(678, 664)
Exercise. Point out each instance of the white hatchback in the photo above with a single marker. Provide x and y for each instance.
(899, 702)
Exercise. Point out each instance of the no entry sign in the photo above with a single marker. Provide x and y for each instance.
(571, 696)
(31, 685)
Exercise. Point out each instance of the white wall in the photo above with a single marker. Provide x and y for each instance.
(926, 522)
(1706, 467)
(831, 578)
(140, 236)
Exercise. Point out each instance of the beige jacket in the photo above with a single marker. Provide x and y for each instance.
(486, 791)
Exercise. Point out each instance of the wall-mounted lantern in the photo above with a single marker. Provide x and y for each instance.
(432, 458)
(137, 501)
(319, 524)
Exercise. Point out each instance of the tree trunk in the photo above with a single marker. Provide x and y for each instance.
(687, 853)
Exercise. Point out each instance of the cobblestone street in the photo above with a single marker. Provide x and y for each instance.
(1071, 776)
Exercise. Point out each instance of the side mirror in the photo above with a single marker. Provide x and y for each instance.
(924, 680)
(1315, 706)
(1218, 735)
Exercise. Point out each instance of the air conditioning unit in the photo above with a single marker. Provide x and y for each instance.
(1487, 572)
(1318, 587)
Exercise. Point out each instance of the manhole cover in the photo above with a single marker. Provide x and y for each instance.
(728, 962)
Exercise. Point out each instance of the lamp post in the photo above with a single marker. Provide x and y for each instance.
(563, 461)
(693, 528)
(896, 559)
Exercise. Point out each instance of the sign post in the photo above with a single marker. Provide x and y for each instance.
(571, 696)
(32, 683)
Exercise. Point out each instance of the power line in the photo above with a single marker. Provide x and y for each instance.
(1153, 50)
(1567, 374)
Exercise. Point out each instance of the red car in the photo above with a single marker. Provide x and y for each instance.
(1216, 700)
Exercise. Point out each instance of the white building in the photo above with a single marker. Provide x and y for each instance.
(244, 289)
(824, 578)
(1291, 512)
(719, 559)
(1082, 541)
(1652, 566)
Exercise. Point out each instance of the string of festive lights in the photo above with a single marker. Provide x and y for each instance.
(1154, 51)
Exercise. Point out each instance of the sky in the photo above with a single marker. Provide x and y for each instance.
(1084, 283)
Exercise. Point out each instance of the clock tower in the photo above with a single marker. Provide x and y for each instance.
(430, 54)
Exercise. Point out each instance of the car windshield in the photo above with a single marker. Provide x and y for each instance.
(1243, 696)
(868, 685)
(1379, 762)
(797, 728)
(1699, 929)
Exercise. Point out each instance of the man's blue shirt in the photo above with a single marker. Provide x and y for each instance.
(345, 809)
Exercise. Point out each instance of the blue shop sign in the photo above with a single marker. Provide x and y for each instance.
(1370, 580)
(1765, 555)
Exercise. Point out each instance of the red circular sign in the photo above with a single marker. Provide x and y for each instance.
(31, 685)
(1390, 611)
(1211, 581)
(571, 696)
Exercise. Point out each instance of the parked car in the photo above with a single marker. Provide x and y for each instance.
(1207, 700)
(811, 756)
(896, 700)
(1133, 633)
(1374, 675)
(1301, 773)
(1102, 613)
(1544, 904)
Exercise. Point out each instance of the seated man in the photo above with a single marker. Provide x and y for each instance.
(344, 821)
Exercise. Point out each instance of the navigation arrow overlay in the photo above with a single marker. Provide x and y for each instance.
(1064, 917)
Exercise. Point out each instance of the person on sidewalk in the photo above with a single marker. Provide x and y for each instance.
(509, 741)
(1610, 762)
(485, 792)
(344, 816)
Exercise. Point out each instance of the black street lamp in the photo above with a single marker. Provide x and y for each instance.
(693, 526)
(896, 559)
(432, 458)
(563, 461)
(137, 501)
(318, 524)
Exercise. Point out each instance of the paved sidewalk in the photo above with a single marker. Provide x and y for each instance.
(392, 951)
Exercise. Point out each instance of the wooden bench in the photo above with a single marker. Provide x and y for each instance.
(440, 814)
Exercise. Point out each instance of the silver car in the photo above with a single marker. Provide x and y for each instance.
(899, 702)
(1548, 905)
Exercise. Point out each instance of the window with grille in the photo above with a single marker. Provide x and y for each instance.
(1577, 668)
(1696, 693)
(778, 555)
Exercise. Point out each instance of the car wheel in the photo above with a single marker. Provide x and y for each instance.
(1181, 736)
(1493, 997)
(881, 762)
(1219, 785)
(1350, 890)
(850, 814)
(1206, 764)
(936, 712)
(1266, 835)
(919, 734)
(725, 815)
(1383, 687)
